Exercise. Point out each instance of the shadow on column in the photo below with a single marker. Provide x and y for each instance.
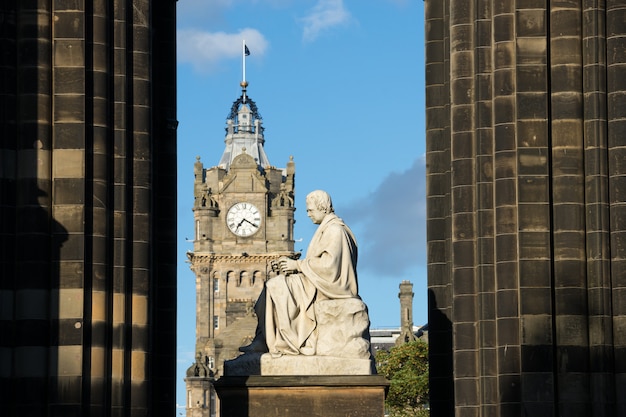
(441, 384)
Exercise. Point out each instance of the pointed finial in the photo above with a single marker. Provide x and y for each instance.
(243, 85)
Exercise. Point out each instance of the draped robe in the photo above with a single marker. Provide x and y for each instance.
(327, 272)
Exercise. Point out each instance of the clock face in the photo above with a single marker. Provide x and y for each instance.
(243, 219)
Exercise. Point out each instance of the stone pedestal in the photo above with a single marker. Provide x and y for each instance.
(299, 365)
(297, 396)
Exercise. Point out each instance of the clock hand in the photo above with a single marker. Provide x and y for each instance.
(246, 220)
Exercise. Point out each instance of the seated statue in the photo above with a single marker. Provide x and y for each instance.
(310, 292)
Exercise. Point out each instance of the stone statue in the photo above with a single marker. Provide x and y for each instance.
(313, 308)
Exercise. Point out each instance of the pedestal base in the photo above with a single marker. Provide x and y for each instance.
(297, 396)
(296, 365)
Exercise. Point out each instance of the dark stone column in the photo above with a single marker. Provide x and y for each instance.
(525, 196)
(88, 208)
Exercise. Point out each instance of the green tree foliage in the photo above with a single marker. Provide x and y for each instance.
(406, 367)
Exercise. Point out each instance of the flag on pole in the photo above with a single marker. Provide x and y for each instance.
(246, 50)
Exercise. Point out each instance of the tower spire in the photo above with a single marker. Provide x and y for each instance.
(244, 129)
(406, 313)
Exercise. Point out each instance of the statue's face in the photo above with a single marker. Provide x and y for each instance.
(316, 215)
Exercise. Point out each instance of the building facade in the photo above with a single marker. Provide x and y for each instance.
(526, 120)
(244, 217)
(87, 208)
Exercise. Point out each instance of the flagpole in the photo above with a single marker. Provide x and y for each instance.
(243, 54)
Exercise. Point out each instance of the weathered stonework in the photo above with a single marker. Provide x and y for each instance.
(87, 208)
(296, 396)
(406, 314)
(525, 131)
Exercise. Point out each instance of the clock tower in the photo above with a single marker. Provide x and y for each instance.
(244, 217)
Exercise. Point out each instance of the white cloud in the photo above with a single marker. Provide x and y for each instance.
(391, 223)
(205, 50)
(324, 15)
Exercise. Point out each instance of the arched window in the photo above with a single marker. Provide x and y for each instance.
(230, 275)
(256, 278)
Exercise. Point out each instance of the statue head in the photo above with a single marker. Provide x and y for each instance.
(318, 205)
(320, 200)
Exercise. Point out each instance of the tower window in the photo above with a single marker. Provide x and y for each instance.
(216, 284)
(216, 322)
(243, 278)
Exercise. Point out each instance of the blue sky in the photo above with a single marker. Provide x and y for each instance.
(340, 87)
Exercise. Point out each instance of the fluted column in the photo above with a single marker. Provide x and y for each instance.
(525, 201)
(88, 208)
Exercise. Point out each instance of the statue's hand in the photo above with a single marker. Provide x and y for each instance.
(288, 265)
(275, 267)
